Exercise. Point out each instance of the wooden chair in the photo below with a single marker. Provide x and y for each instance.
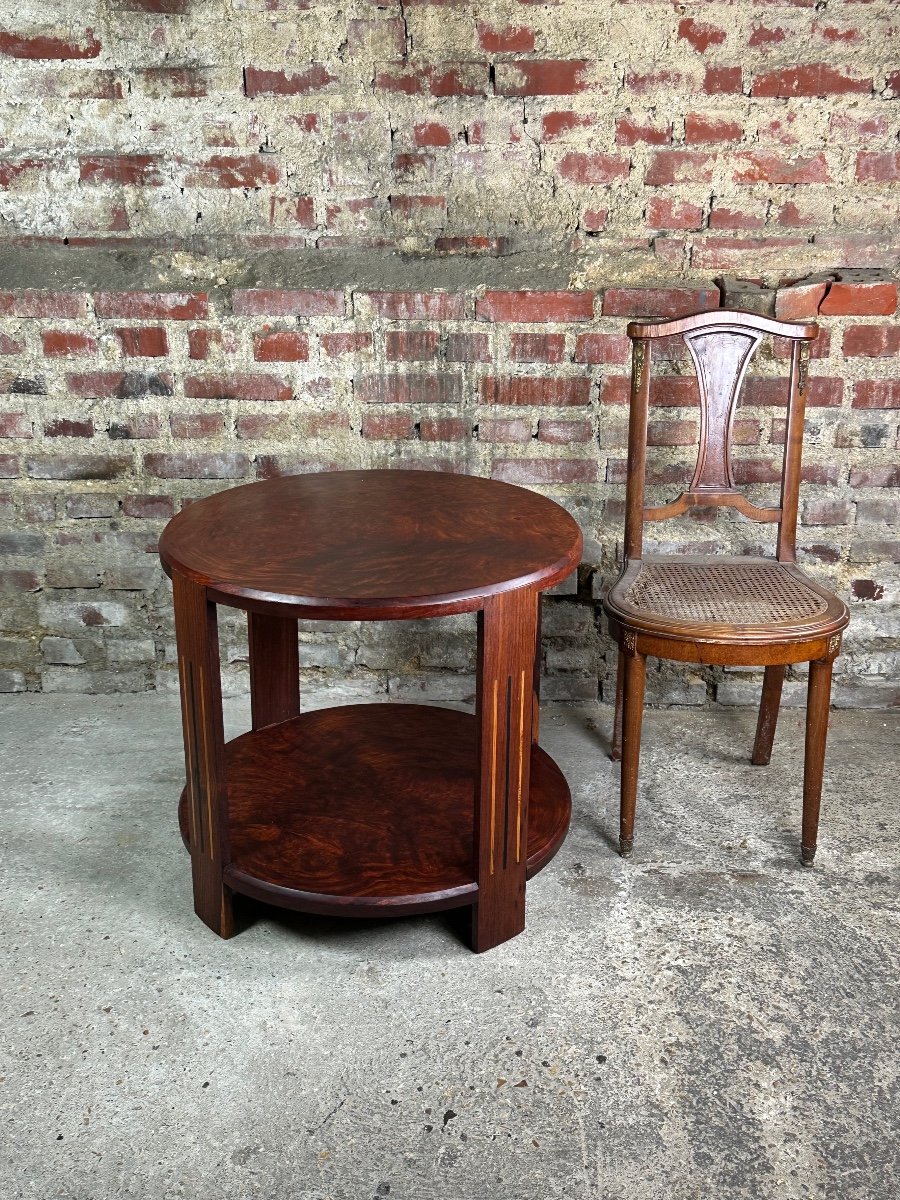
(715, 609)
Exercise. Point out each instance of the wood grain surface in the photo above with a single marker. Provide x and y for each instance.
(369, 810)
(371, 544)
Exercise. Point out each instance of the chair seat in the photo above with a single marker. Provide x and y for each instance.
(724, 599)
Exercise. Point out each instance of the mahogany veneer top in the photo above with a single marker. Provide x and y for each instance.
(385, 543)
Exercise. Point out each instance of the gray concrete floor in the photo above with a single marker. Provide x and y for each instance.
(706, 1021)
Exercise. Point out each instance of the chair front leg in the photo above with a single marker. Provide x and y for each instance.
(633, 679)
(817, 704)
(768, 715)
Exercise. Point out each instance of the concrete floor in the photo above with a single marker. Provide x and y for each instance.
(706, 1021)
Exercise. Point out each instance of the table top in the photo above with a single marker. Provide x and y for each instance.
(371, 544)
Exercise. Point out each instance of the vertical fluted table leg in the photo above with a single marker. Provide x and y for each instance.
(196, 632)
(507, 639)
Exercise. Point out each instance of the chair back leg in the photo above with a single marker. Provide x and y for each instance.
(634, 676)
(817, 704)
(768, 716)
(615, 752)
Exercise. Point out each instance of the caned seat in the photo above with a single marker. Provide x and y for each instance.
(723, 598)
(716, 609)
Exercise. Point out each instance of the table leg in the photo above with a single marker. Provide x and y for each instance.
(507, 636)
(274, 669)
(204, 748)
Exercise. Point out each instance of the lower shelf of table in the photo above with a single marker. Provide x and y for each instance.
(368, 810)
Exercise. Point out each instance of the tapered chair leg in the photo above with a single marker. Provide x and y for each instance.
(615, 752)
(817, 703)
(768, 716)
(634, 676)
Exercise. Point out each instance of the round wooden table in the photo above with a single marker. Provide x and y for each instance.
(369, 809)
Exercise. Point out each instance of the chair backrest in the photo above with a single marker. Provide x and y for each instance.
(721, 344)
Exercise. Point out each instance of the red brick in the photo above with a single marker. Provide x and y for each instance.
(663, 213)
(65, 427)
(526, 390)
(37, 46)
(262, 302)
(877, 167)
(196, 425)
(791, 215)
(12, 383)
(855, 127)
(732, 218)
(149, 342)
(537, 347)
(827, 512)
(504, 429)
(672, 433)
(60, 343)
(77, 466)
(36, 304)
(560, 306)
(666, 391)
(408, 389)
(506, 40)
(281, 347)
(237, 386)
(875, 298)
(594, 219)
(81, 84)
(679, 166)
(142, 306)
(313, 78)
(9, 466)
(11, 345)
(12, 172)
(875, 550)
(762, 167)
(762, 35)
(602, 348)
(654, 81)
(234, 171)
(820, 348)
(134, 170)
(871, 341)
(413, 206)
(723, 81)
(445, 79)
(294, 211)
(877, 393)
(416, 346)
(545, 470)
(714, 253)
(495, 246)
(15, 425)
(387, 426)
(589, 168)
(417, 306)
(700, 127)
(121, 385)
(541, 77)
(558, 432)
(272, 466)
(821, 392)
(887, 477)
(432, 133)
(335, 345)
(141, 427)
(197, 466)
(658, 302)
(444, 429)
(157, 508)
(872, 512)
(555, 125)
(801, 301)
(700, 35)
(468, 347)
(759, 470)
(201, 342)
(630, 133)
(816, 79)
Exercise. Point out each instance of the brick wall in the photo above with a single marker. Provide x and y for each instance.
(256, 236)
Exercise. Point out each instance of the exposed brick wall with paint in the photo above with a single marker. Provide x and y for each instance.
(243, 237)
